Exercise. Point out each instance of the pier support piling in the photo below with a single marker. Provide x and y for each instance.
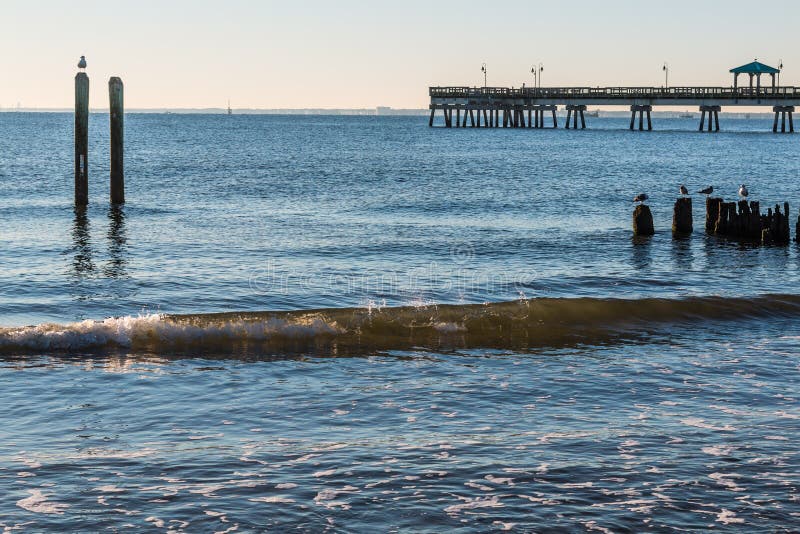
(81, 139)
(713, 117)
(641, 110)
(117, 117)
(573, 113)
(783, 111)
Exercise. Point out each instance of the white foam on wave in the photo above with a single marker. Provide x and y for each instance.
(38, 503)
(158, 329)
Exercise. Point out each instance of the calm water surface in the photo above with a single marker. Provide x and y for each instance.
(677, 417)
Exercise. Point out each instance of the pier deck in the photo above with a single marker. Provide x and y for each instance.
(513, 103)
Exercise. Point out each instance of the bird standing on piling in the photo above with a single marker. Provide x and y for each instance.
(641, 197)
(683, 190)
(82, 63)
(743, 192)
(707, 191)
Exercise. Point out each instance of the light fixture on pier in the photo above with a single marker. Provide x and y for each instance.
(534, 72)
(541, 70)
(665, 68)
(483, 70)
(780, 68)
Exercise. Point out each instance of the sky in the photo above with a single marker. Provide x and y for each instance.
(362, 54)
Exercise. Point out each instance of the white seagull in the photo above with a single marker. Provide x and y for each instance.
(684, 191)
(743, 192)
(641, 197)
(82, 63)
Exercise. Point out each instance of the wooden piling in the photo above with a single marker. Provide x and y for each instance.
(682, 217)
(81, 139)
(117, 116)
(643, 221)
(797, 229)
(713, 206)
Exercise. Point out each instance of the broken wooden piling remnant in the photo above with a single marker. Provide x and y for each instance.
(797, 229)
(643, 221)
(682, 217)
(775, 226)
(739, 220)
(743, 221)
(712, 213)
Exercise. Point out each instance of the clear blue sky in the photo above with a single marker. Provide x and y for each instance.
(349, 53)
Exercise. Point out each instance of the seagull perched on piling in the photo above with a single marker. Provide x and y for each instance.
(743, 192)
(683, 190)
(82, 63)
(641, 197)
(707, 191)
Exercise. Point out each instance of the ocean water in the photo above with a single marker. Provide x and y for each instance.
(365, 324)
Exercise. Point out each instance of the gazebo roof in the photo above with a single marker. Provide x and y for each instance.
(755, 68)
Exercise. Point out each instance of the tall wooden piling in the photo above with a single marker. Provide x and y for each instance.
(81, 139)
(117, 115)
(682, 217)
(643, 221)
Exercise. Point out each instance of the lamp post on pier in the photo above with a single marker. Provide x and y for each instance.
(541, 70)
(780, 68)
(665, 68)
(483, 70)
(534, 72)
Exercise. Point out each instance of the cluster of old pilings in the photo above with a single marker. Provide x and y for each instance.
(743, 220)
(740, 220)
(497, 115)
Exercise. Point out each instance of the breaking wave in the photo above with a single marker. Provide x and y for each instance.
(517, 325)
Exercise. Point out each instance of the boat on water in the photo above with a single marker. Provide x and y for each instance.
(595, 113)
(686, 115)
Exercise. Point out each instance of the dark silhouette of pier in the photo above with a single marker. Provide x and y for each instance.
(527, 107)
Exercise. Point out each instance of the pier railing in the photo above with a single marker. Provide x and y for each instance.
(621, 93)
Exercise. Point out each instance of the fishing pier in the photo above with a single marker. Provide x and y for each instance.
(529, 107)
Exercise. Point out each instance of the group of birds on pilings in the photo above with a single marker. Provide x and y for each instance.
(738, 220)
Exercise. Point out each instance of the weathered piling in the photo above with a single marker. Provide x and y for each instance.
(117, 112)
(775, 226)
(739, 220)
(744, 221)
(712, 213)
(797, 229)
(643, 221)
(81, 139)
(682, 224)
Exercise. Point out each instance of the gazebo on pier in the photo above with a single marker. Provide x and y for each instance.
(754, 69)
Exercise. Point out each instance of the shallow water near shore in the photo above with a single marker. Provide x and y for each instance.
(361, 323)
